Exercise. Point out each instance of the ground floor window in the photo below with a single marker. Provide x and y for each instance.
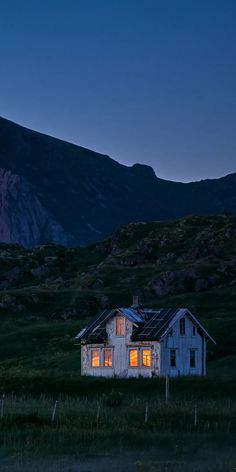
(140, 357)
(107, 359)
(192, 358)
(95, 357)
(172, 357)
(146, 357)
(133, 357)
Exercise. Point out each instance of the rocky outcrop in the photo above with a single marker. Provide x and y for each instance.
(9, 302)
(133, 259)
(172, 282)
(181, 281)
(22, 217)
(66, 283)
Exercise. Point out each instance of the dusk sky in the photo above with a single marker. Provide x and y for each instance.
(144, 81)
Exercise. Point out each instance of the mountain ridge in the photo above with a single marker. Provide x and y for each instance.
(137, 164)
(87, 195)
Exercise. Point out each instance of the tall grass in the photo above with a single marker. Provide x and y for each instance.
(88, 435)
(27, 423)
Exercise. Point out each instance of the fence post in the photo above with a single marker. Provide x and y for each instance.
(2, 405)
(167, 388)
(146, 413)
(98, 411)
(195, 415)
(54, 410)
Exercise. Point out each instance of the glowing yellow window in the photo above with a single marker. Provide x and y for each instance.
(146, 357)
(120, 326)
(107, 357)
(95, 358)
(133, 357)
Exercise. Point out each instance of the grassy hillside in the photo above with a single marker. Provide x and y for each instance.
(48, 293)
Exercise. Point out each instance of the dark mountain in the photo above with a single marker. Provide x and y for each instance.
(51, 190)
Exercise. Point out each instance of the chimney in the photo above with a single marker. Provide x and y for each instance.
(135, 301)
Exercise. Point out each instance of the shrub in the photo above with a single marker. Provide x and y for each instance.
(113, 398)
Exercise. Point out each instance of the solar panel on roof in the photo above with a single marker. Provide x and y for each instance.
(150, 323)
(157, 323)
(100, 318)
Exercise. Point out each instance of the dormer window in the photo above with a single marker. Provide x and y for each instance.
(182, 327)
(120, 326)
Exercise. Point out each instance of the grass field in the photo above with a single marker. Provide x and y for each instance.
(40, 362)
(183, 434)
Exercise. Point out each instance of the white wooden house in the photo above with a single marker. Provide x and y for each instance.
(136, 341)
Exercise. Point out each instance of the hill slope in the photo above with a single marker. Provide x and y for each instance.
(48, 293)
(53, 191)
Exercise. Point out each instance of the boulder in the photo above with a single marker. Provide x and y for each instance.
(172, 282)
(40, 272)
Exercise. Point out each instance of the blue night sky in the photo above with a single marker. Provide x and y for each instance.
(143, 81)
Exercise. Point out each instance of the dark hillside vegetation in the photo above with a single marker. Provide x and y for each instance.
(48, 293)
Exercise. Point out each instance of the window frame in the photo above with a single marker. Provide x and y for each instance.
(104, 350)
(141, 360)
(175, 351)
(93, 349)
(182, 326)
(138, 360)
(116, 320)
(192, 350)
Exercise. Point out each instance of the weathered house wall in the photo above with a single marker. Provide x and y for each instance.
(182, 345)
(120, 346)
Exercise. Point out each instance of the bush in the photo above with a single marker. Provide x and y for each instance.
(113, 398)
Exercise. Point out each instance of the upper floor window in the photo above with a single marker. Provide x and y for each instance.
(194, 330)
(192, 359)
(120, 326)
(95, 358)
(107, 358)
(182, 327)
(172, 357)
(133, 357)
(146, 357)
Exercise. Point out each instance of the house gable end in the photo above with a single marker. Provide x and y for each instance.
(182, 312)
(200, 326)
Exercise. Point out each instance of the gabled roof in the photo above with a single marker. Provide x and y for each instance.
(150, 324)
(160, 324)
(96, 330)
